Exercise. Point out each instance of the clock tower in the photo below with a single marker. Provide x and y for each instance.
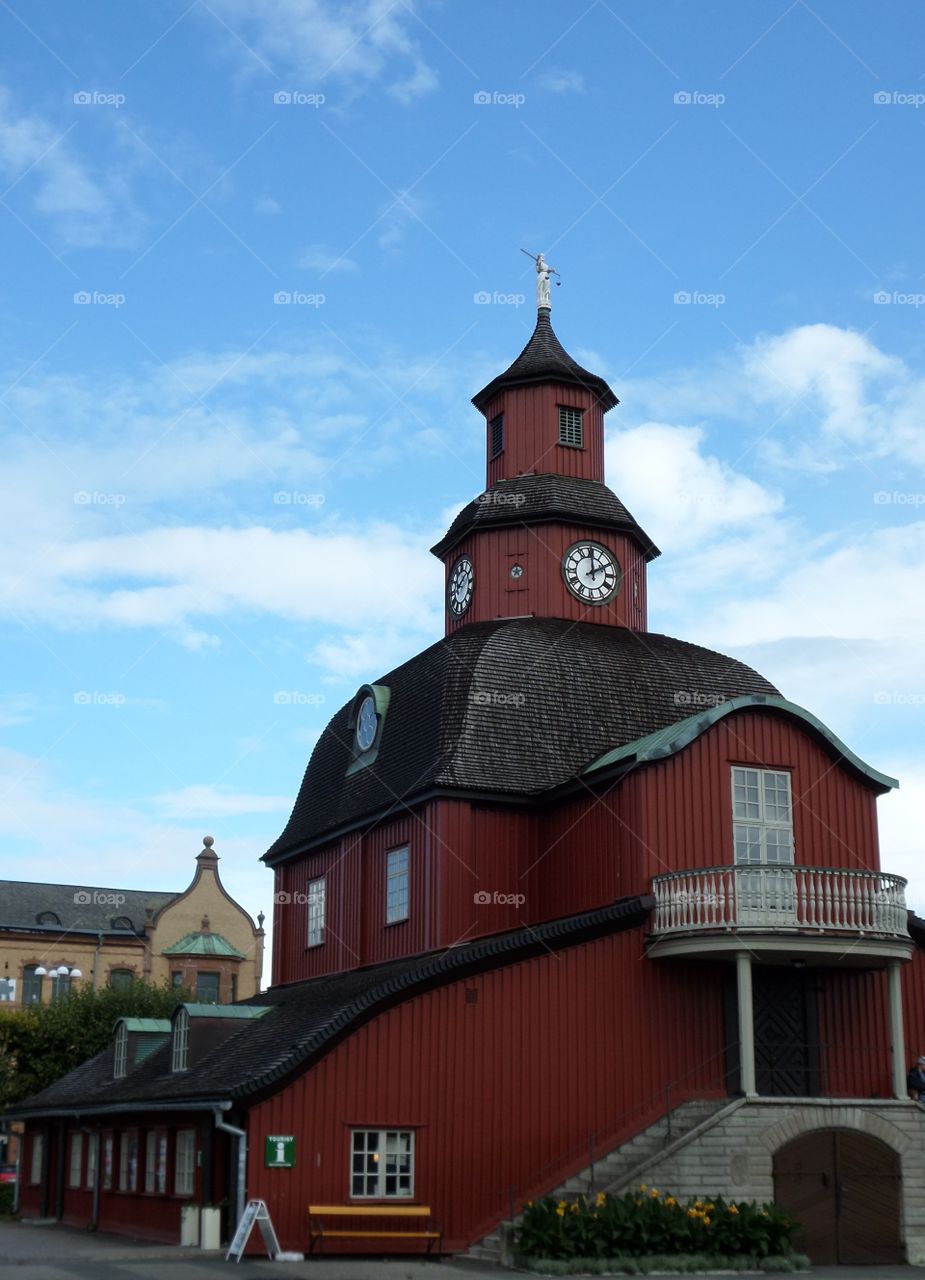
(547, 538)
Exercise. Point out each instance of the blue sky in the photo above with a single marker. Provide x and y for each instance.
(218, 503)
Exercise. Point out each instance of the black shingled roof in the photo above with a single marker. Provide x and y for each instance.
(544, 359)
(79, 907)
(307, 1019)
(507, 710)
(534, 499)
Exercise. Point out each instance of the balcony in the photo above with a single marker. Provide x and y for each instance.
(787, 912)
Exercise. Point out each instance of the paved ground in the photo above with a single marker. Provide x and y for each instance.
(59, 1253)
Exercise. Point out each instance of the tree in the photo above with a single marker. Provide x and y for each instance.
(44, 1042)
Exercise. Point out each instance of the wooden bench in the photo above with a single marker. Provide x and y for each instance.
(317, 1231)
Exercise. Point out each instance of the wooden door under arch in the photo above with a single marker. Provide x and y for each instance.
(846, 1190)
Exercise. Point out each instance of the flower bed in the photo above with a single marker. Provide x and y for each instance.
(646, 1223)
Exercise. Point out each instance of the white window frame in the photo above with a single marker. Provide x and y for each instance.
(75, 1161)
(93, 1153)
(755, 814)
(120, 1052)
(397, 884)
(184, 1165)
(316, 911)
(373, 1165)
(156, 1162)
(37, 1160)
(571, 426)
(179, 1051)
(31, 986)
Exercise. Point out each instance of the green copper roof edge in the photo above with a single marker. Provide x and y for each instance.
(674, 737)
(194, 944)
(244, 1011)
(160, 1025)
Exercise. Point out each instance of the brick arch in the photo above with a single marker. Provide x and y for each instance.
(856, 1118)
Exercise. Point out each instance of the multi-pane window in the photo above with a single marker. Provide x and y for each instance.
(316, 904)
(38, 1159)
(382, 1164)
(60, 987)
(396, 885)
(207, 988)
(120, 1052)
(77, 1158)
(108, 1146)
(185, 1162)
(179, 1057)
(496, 436)
(121, 979)
(156, 1162)
(571, 431)
(7, 990)
(93, 1149)
(128, 1160)
(762, 816)
(31, 985)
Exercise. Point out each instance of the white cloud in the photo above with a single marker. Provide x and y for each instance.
(267, 205)
(210, 801)
(357, 44)
(367, 654)
(320, 258)
(16, 709)
(86, 209)
(900, 821)
(561, 81)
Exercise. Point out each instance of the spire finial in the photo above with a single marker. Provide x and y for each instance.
(543, 272)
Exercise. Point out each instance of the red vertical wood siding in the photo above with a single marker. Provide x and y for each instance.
(503, 1092)
(531, 433)
(541, 591)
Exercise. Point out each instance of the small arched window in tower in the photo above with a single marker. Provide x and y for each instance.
(496, 436)
(47, 917)
(179, 1056)
(122, 922)
(120, 1052)
(571, 430)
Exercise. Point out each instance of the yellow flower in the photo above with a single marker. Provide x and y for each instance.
(643, 1187)
(707, 1221)
(654, 1194)
(692, 1213)
(710, 1207)
(600, 1199)
(574, 1208)
(563, 1204)
(560, 1211)
(670, 1202)
(733, 1209)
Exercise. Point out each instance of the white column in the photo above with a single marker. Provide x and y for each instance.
(897, 1033)
(746, 1023)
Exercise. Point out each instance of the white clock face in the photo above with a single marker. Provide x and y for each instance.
(591, 572)
(367, 723)
(459, 588)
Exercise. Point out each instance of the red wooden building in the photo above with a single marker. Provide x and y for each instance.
(554, 885)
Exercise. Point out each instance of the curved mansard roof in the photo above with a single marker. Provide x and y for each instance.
(544, 497)
(507, 709)
(544, 359)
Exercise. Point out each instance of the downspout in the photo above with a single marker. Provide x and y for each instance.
(241, 1135)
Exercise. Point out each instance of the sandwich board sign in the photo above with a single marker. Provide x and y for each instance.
(279, 1151)
(256, 1211)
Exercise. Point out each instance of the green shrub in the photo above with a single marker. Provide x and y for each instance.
(6, 1199)
(647, 1222)
(686, 1264)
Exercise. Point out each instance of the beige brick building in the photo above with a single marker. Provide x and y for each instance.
(56, 935)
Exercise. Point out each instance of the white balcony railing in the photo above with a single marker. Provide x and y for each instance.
(769, 898)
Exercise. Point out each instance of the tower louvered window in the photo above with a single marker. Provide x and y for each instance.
(571, 431)
(496, 435)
